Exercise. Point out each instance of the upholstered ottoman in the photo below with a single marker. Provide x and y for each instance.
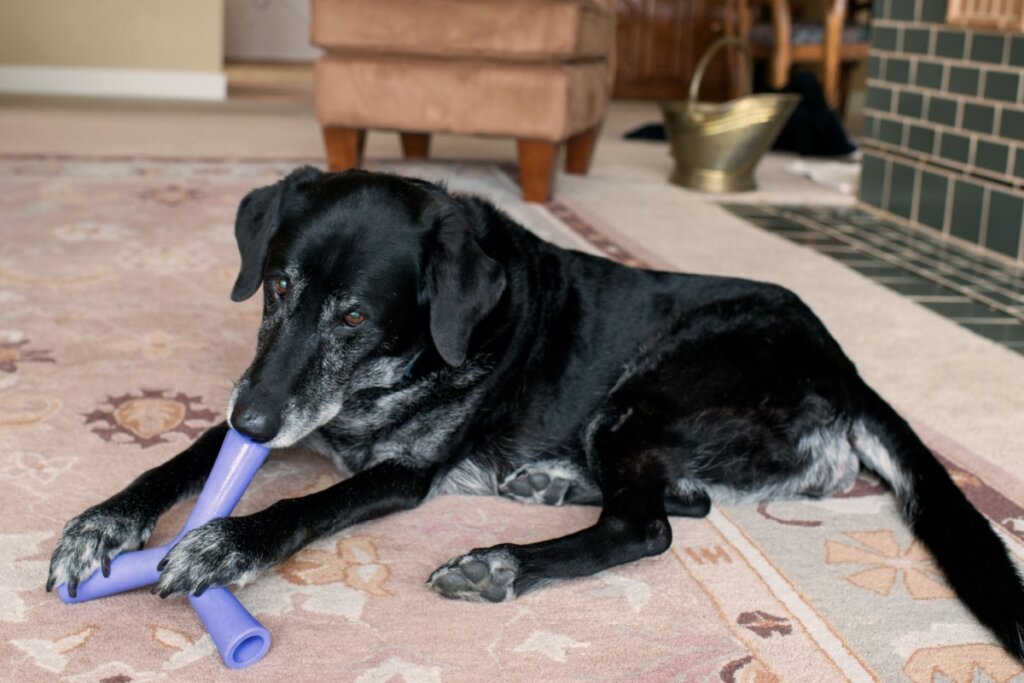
(536, 70)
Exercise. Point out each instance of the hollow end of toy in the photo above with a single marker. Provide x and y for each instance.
(128, 571)
(240, 639)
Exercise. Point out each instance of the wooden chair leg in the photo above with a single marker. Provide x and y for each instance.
(415, 145)
(580, 150)
(738, 21)
(844, 89)
(831, 67)
(832, 47)
(537, 168)
(782, 54)
(344, 147)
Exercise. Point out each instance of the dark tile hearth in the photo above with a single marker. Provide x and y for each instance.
(944, 117)
(980, 293)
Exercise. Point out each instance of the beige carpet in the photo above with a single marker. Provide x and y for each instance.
(117, 345)
(80, 350)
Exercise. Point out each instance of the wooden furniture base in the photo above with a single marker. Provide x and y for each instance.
(832, 52)
(579, 150)
(537, 158)
(415, 145)
(344, 147)
(537, 168)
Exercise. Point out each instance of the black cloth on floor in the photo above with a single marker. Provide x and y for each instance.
(814, 129)
(649, 131)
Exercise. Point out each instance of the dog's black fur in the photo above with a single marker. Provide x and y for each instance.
(432, 345)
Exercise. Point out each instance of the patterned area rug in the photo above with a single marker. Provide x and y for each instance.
(118, 345)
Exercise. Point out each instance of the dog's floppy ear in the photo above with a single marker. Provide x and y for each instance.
(256, 222)
(464, 285)
(258, 218)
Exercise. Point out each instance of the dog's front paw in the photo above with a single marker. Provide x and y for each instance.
(488, 574)
(219, 553)
(95, 537)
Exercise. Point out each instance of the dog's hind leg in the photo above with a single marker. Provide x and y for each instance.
(557, 482)
(695, 503)
(633, 524)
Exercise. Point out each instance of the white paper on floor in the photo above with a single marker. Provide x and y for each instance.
(841, 176)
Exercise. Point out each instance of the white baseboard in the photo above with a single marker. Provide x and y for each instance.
(142, 83)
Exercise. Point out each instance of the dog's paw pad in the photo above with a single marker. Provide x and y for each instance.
(539, 481)
(482, 575)
(532, 484)
(449, 583)
(475, 570)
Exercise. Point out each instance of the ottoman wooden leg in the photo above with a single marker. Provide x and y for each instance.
(537, 168)
(580, 150)
(415, 145)
(344, 147)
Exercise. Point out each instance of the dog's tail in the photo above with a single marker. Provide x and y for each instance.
(965, 546)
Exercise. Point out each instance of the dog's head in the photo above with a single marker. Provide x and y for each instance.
(361, 272)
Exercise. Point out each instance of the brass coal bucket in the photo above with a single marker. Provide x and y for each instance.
(717, 146)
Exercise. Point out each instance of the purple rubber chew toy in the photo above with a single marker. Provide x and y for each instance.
(240, 639)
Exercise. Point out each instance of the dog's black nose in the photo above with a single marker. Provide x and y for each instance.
(256, 424)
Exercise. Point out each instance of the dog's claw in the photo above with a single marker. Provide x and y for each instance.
(49, 584)
(91, 541)
(161, 564)
(219, 553)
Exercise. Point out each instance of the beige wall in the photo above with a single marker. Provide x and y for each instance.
(176, 35)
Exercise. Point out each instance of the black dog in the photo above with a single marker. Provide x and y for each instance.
(431, 345)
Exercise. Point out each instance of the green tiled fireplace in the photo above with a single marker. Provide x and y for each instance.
(944, 126)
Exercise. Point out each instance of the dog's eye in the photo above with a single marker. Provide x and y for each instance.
(355, 318)
(281, 285)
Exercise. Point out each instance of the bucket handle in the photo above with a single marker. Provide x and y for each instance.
(698, 73)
